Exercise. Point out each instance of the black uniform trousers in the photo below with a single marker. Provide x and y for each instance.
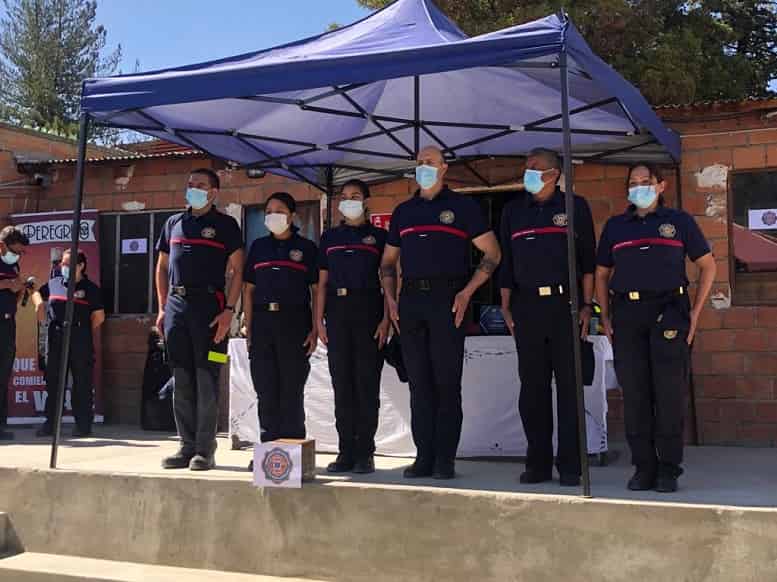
(279, 369)
(7, 356)
(355, 364)
(544, 342)
(652, 364)
(433, 350)
(81, 367)
(189, 338)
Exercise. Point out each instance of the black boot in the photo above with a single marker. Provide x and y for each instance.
(179, 460)
(642, 481)
(534, 476)
(444, 470)
(418, 470)
(342, 464)
(364, 466)
(202, 463)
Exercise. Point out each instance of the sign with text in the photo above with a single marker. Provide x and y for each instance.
(763, 219)
(278, 464)
(381, 220)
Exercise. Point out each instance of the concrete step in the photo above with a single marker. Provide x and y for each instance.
(36, 567)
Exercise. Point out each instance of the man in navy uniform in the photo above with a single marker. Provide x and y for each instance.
(535, 290)
(197, 248)
(12, 243)
(432, 235)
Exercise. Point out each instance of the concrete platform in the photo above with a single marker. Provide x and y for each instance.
(111, 501)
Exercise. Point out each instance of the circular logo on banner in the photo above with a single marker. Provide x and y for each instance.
(369, 240)
(447, 217)
(670, 334)
(208, 232)
(277, 465)
(560, 220)
(667, 230)
(80, 294)
(296, 255)
(769, 218)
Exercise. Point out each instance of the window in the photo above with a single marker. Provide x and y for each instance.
(128, 259)
(753, 237)
(308, 220)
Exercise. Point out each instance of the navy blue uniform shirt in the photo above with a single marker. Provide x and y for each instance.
(199, 247)
(434, 235)
(87, 299)
(533, 236)
(648, 254)
(351, 255)
(8, 297)
(282, 270)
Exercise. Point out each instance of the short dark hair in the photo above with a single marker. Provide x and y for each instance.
(11, 235)
(215, 182)
(286, 198)
(550, 156)
(81, 260)
(654, 171)
(360, 184)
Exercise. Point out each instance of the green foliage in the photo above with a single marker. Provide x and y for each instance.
(674, 51)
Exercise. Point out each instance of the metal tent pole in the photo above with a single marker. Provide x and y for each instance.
(330, 195)
(572, 266)
(71, 287)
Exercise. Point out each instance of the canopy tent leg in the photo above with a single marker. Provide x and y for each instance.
(330, 195)
(572, 267)
(71, 287)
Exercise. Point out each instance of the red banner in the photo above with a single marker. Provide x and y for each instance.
(381, 220)
(49, 234)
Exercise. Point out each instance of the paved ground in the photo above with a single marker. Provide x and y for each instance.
(714, 475)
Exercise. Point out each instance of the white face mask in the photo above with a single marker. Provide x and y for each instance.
(352, 209)
(276, 222)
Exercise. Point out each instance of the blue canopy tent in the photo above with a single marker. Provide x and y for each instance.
(364, 99)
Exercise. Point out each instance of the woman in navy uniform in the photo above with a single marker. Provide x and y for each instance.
(641, 270)
(88, 316)
(280, 275)
(356, 326)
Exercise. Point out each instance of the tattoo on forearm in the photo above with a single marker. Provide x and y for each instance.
(388, 272)
(488, 266)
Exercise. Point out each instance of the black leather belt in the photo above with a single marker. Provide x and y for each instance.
(182, 291)
(647, 295)
(428, 285)
(349, 292)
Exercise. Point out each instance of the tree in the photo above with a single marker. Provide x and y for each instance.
(674, 51)
(47, 48)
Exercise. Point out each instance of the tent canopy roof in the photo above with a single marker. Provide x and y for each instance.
(365, 98)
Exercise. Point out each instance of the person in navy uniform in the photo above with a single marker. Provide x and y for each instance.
(534, 283)
(281, 274)
(197, 249)
(431, 236)
(12, 243)
(355, 328)
(88, 316)
(641, 276)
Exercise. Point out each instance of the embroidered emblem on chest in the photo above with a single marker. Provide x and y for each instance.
(369, 240)
(560, 219)
(667, 230)
(80, 294)
(208, 232)
(447, 217)
(296, 255)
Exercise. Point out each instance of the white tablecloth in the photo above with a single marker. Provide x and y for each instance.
(492, 426)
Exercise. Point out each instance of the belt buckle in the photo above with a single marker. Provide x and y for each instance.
(273, 307)
(560, 289)
(424, 285)
(682, 290)
(6, 316)
(634, 295)
(544, 291)
(342, 292)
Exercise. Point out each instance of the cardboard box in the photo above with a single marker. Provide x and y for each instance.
(308, 456)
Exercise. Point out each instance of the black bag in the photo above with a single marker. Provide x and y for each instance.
(156, 410)
(392, 353)
(588, 362)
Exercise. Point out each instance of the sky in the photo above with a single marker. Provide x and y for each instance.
(167, 33)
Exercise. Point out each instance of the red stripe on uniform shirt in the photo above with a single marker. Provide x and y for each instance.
(198, 241)
(434, 228)
(648, 241)
(289, 264)
(544, 230)
(353, 248)
(64, 298)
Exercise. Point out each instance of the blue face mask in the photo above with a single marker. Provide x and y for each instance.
(642, 196)
(196, 198)
(426, 176)
(532, 181)
(65, 270)
(10, 258)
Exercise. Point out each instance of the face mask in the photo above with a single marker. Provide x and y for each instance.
(65, 269)
(276, 222)
(532, 181)
(352, 209)
(426, 176)
(197, 198)
(642, 196)
(10, 258)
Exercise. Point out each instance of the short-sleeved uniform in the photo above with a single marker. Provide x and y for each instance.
(198, 249)
(533, 236)
(86, 300)
(434, 237)
(8, 300)
(281, 273)
(351, 257)
(651, 319)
